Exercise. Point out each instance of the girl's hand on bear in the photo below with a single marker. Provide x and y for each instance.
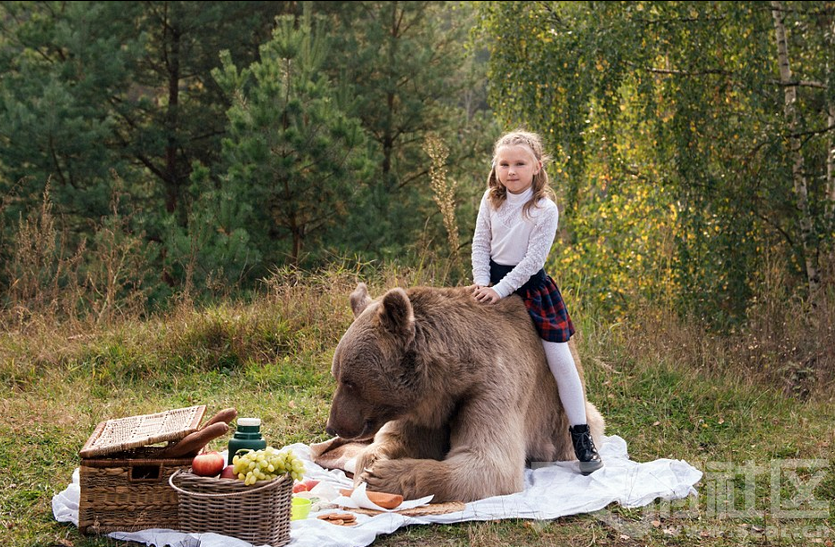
(486, 295)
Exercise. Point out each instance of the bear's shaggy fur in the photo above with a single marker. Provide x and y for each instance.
(457, 395)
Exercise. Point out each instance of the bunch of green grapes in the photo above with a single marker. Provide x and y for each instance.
(266, 464)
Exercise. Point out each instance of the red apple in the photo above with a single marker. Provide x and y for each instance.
(299, 487)
(310, 483)
(228, 472)
(207, 464)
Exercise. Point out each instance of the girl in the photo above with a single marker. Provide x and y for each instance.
(516, 225)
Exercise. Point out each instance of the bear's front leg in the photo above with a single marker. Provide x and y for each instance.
(463, 477)
(477, 466)
(398, 440)
(367, 458)
(410, 478)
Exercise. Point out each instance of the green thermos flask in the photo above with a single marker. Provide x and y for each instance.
(247, 436)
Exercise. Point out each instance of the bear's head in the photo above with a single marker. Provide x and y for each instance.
(374, 365)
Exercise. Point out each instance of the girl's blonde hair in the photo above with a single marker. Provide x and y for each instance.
(541, 188)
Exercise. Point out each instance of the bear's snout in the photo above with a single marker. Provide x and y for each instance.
(358, 430)
(350, 416)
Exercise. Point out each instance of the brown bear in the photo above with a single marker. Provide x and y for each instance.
(456, 395)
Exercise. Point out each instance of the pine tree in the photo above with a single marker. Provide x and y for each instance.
(59, 70)
(292, 152)
(403, 61)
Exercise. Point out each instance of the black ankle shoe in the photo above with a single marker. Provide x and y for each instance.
(584, 449)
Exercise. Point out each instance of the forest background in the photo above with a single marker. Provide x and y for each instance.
(161, 150)
(172, 166)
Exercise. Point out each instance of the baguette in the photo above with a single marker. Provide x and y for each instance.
(193, 443)
(383, 499)
(226, 416)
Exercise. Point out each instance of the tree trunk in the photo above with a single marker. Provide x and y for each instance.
(388, 130)
(830, 170)
(297, 247)
(171, 121)
(801, 189)
(829, 217)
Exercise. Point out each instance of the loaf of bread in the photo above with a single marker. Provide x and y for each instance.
(383, 499)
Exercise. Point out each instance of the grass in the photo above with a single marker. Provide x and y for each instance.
(271, 358)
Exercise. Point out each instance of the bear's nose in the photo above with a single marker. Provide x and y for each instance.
(329, 427)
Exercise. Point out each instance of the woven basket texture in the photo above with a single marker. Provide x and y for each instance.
(121, 434)
(128, 494)
(259, 514)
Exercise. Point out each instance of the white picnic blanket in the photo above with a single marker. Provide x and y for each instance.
(550, 492)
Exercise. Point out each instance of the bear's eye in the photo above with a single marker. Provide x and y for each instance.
(348, 384)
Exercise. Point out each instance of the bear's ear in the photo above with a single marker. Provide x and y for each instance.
(360, 299)
(396, 314)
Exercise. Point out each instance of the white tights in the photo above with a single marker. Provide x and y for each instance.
(570, 388)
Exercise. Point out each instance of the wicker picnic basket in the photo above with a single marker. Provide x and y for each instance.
(259, 514)
(124, 482)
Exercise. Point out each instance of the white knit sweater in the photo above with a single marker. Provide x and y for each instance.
(511, 238)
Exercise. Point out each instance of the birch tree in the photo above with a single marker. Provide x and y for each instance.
(801, 187)
(724, 129)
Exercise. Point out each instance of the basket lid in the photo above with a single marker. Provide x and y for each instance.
(120, 434)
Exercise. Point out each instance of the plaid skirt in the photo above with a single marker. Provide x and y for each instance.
(544, 303)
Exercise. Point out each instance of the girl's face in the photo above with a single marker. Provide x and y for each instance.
(515, 167)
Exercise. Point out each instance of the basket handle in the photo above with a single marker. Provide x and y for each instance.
(270, 484)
